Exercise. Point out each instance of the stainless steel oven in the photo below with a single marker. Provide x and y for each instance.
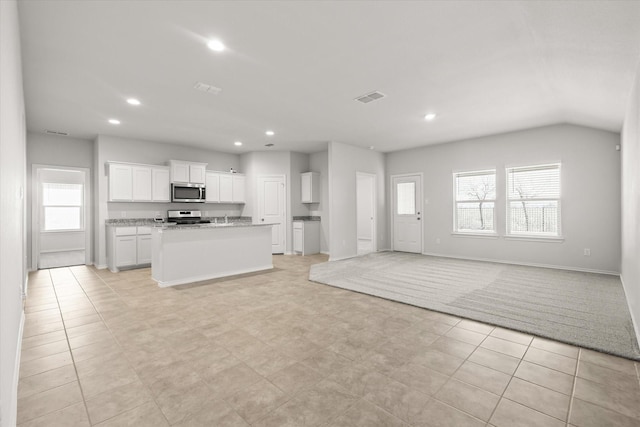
(188, 193)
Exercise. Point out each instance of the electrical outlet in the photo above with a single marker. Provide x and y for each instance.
(587, 252)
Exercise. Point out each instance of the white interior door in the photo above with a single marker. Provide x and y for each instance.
(365, 212)
(407, 218)
(271, 209)
(60, 211)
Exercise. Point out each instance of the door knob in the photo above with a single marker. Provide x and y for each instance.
(262, 220)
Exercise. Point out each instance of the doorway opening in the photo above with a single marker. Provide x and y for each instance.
(61, 217)
(366, 202)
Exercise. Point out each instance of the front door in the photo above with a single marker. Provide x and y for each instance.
(407, 218)
(271, 209)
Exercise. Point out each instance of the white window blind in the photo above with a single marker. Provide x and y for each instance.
(62, 206)
(406, 194)
(533, 200)
(475, 199)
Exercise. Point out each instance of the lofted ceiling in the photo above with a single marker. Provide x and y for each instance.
(295, 67)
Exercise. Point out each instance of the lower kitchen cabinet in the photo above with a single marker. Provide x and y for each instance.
(128, 246)
(306, 237)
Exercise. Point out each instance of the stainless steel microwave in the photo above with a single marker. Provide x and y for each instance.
(188, 193)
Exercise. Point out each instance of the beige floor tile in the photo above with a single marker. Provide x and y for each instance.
(585, 414)
(44, 350)
(43, 364)
(454, 347)
(461, 334)
(613, 398)
(37, 340)
(551, 360)
(474, 326)
(503, 346)
(294, 378)
(498, 361)
(539, 398)
(608, 361)
(147, 415)
(513, 336)
(510, 414)
(217, 413)
(608, 377)
(439, 414)
(256, 401)
(485, 378)
(71, 416)
(325, 362)
(113, 402)
(555, 347)
(467, 398)
(439, 361)
(420, 377)
(365, 414)
(48, 401)
(545, 377)
(396, 398)
(177, 404)
(232, 380)
(35, 384)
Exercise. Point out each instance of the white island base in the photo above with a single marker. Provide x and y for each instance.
(192, 254)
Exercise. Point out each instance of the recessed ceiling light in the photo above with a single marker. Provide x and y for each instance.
(216, 45)
(237, 143)
(270, 133)
(114, 121)
(133, 101)
(430, 117)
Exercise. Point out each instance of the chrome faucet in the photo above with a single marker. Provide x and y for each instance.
(226, 219)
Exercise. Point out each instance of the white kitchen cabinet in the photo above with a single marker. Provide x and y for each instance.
(212, 186)
(224, 187)
(187, 172)
(141, 183)
(120, 182)
(306, 237)
(310, 187)
(160, 184)
(238, 185)
(128, 246)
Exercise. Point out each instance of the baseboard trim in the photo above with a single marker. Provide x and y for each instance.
(527, 264)
(636, 325)
(13, 415)
(100, 266)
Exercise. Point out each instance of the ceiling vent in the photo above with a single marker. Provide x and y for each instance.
(55, 132)
(203, 87)
(370, 97)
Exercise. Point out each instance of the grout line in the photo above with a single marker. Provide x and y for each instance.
(573, 388)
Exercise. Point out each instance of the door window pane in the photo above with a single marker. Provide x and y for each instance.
(406, 198)
(62, 218)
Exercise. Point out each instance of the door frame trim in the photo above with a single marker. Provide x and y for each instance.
(35, 212)
(374, 210)
(392, 207)
(285, 201)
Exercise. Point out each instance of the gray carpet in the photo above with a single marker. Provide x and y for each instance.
(584, 309)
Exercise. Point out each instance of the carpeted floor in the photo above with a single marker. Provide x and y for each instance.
(584, 309)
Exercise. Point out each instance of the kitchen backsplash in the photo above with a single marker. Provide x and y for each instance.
(142, 210)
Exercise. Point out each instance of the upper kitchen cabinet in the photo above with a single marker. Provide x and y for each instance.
(310, 184)
(187, 172)
(225, 187)
(138, 183)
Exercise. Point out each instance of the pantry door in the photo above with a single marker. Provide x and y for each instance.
(407, 213)
(61, 220)
(272, 209)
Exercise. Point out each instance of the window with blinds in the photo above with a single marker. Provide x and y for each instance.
(474, 204)
(533, 200)
(62, 207)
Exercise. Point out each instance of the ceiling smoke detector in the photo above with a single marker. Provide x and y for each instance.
(55, 132)
(370, 97)
(203, 87)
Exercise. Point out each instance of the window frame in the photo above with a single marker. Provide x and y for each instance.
(478, 233)
(533, 236)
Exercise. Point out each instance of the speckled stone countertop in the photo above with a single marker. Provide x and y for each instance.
(241, 224)
(128, 222)
(306, 218)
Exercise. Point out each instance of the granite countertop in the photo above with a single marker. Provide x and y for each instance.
(212, 225)
(129, 222)
(306, 218)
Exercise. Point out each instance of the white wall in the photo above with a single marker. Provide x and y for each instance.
(12, 209)
(344, 161)
(319, 162)
(590, 194)
(53, 150)
(299, 164)
(109, 148)
(630, 270)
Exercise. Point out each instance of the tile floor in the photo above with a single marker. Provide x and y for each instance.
(273, 349)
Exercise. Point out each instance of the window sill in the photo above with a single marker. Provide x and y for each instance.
(528, 238)
(475, 235)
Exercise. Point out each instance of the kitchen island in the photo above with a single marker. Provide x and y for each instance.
(192, 253)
